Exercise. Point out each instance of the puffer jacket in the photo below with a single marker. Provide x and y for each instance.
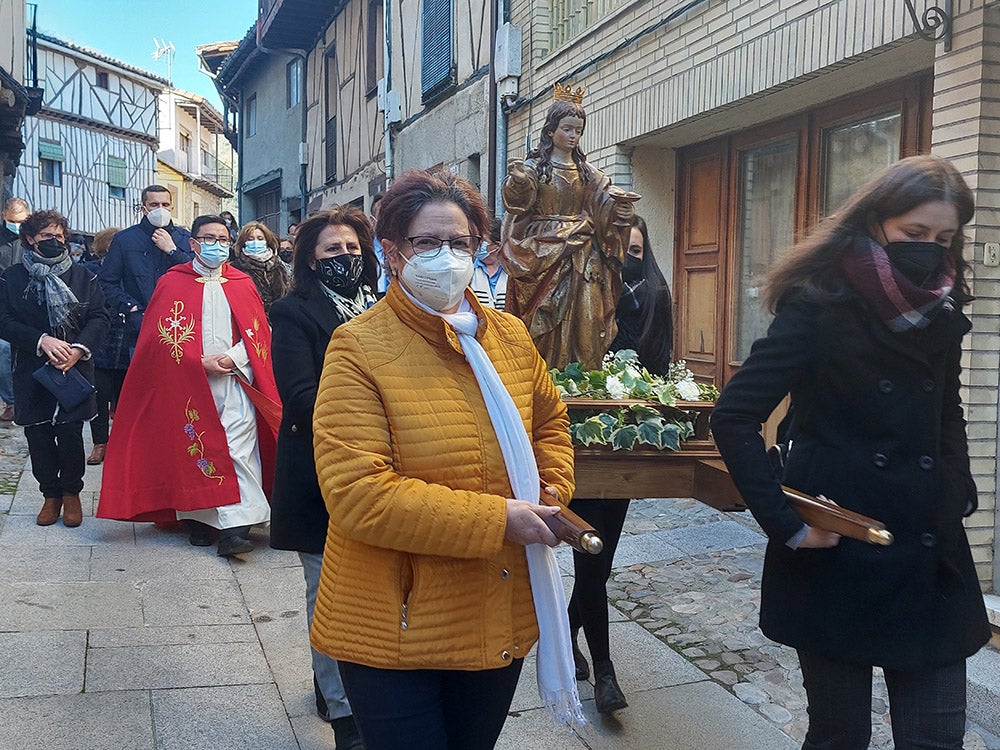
(416, 572)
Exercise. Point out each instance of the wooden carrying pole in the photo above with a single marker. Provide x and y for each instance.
(572, 529)
(823, 514)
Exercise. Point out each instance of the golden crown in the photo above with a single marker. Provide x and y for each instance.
(567, 93)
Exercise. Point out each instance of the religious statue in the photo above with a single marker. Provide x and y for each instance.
(564, 240)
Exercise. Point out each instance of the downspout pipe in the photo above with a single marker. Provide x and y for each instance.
(387, 66)
(498, 122)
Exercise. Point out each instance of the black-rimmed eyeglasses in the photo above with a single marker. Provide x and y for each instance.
(430, 247)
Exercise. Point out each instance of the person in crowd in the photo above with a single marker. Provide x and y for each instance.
(564, 241)
(110, 359)
(645, 325)
(139, 256)
(383, 273)
(867, 340)
(52, 311)
(285, 250)
(256, 254)
(292, 229)
(333, 281)
(195, 448)
(489, 279)
(15, 211)
(232, 225)
(424, 597)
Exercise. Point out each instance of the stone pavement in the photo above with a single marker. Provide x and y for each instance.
(124, 636)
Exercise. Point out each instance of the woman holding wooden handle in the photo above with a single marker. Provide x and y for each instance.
(867, 340)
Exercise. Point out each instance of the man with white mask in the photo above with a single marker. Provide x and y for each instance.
(140, 255)
(198, 451)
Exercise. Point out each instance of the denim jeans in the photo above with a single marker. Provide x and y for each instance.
(6, 375)
(927, 706)
(325, 670)
(430, 709)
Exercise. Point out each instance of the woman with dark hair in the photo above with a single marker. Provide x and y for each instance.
(231, 225)
(867, 339)
(433, 414)
(52, 312)
(563, 243)
(645, 324)
(255, 252)
(333, 278)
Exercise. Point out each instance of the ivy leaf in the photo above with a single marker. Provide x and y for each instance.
(671, 436)
(591, 431)
(624, 438)
(575, 371)
(641, 413)
(610, 422)
(650, 432)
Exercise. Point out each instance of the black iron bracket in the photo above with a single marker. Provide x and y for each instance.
(936, 22)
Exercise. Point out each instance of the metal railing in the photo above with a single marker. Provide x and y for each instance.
(570, 18)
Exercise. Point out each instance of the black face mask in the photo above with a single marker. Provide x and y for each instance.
(632, 269)
(341, 273)
(50, 248)
(285, 255)
(917, 261)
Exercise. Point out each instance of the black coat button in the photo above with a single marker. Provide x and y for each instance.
(295, 428)
(926, 463)
(928, 539)
(885, 385)
(928, 386)
(880, 460)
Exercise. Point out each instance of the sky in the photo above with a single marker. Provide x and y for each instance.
(125, 29)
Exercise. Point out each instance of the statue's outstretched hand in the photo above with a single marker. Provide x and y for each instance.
(515, 170)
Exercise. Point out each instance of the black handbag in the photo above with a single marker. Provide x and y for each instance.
(70, 388)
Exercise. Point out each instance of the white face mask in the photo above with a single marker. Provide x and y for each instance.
(438, 282)
(258, 249)
(159, 217)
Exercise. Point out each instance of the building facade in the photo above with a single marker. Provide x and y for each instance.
(742, 124)
(91, 148)
(18, 95)
(194, 161)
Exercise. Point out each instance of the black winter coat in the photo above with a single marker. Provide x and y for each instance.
(878, 428)
(301, 327)
(22, 323)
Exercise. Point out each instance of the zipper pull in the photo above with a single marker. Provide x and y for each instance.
(402, 622)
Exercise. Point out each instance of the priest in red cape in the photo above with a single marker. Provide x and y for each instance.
(187, 442)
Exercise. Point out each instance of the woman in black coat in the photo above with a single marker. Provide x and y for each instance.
(52, 311)
(333, 275)
(867, 339)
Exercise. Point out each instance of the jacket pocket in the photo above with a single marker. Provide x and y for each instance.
(406, 579)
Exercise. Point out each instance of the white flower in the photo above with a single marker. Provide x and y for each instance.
(688, 390)
(614, 387)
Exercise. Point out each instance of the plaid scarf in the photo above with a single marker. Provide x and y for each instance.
(901, 304)
(49, 288)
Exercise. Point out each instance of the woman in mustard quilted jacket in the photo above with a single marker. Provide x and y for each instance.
(436, 429)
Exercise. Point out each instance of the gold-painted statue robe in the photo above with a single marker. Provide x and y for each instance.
(563, 245)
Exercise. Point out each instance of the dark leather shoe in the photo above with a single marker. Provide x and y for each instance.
(608, 697)
(582, 667)
(49, 513)
(345, 733)
(96, 456)
(72, 511)
(199, 534)
(233, 544)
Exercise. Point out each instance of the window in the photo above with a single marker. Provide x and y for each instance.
(102, 79)
(854, 152)
(184, 151)
(117, 177)
(267, 206)
(50, 161)
(437, 57)
(251, 116)
(332, 94)
(331, 149)
(293, 75)
(570, 18)
(374, 48)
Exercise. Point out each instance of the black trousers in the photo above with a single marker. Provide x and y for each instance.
(429, 709)
(109, 388)
(57, 459)
(927, 706)
(588, 606)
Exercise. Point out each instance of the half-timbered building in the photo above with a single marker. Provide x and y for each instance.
(742, 124)
(91, 148)
(18, 96)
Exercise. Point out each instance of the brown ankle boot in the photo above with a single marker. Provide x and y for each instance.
(72, 512)
(49, 513)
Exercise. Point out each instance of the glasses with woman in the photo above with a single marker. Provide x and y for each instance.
(255, 252)
(867, 339)
(52, 312)
(333, 279)
(437, 573)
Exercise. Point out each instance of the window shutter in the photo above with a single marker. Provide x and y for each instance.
(51, 151)
(437, 65)
(117, 172)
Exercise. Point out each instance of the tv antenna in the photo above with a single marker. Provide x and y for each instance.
(165, 49)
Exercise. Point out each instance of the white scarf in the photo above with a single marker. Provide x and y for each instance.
(556, 671)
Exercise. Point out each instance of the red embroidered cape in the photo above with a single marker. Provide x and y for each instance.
(168, 450)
